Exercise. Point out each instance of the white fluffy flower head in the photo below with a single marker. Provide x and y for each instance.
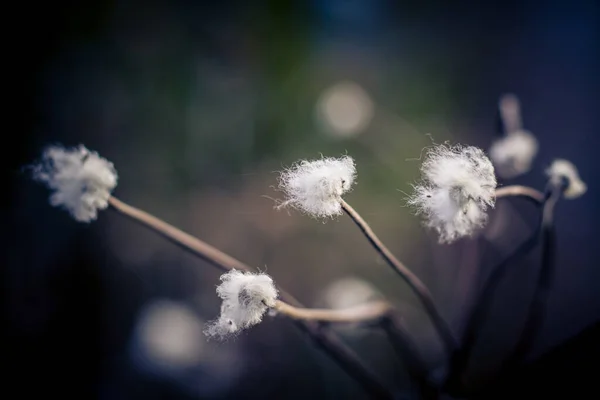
(316, 187)
(563, 169)
(458, 184)
(513, 154)
(80, 179)
(246, 297)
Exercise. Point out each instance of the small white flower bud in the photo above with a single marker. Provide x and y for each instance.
(458, 184)
(316, 187)
(563, 169)
(246, 297)
(80, 179)
(513, 154)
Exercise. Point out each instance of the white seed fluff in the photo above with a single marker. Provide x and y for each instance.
(563, 169)
(316, 187)
(246, 297)
(80, 179)
(458, 184)
(513, 154)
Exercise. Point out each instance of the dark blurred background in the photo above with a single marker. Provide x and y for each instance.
(198, 103)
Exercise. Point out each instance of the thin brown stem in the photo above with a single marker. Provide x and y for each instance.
(521, 191)
(325, 339)
(408, 352)
(409, 277)
(184, 240)
(378, 313)
(361, 313)
(478, 316)
(537, 309)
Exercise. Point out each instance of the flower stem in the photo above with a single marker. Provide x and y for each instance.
(477, 318)
(483, 305)
(379, 313)
(521, 191)
(325, 339)
(409, 277)
(537, 309)
(362, 313)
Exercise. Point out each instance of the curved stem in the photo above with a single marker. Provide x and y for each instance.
(361, 313)
(408, 352)
(178, 237)
(381, 313)
(477, 318)
(326, 340)
(537, 309)
(409, 277)
(484, 302)
(521, 191)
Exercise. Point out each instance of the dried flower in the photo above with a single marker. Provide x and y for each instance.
(246, 297)
(80, 179)
(316, 187)
(458, 184)
(563, 169)
(513, 154)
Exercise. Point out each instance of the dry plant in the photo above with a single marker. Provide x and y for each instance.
(457, 188)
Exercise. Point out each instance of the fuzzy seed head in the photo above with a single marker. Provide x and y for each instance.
(458, 184)
(246, 297)
(316, 187)
(513, 154)
(563, 169)
(80, 179)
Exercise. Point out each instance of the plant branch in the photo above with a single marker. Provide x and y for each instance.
(380, 313)
(406, 349)
(537, 309)
(409, 277)
(477, 318)
(521, 191)
(483, 305)
(326, 340)
(366, 312)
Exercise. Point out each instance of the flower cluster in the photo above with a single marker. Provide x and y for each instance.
(316, 187)
(458, 184)
(80, 179)
(246, 297)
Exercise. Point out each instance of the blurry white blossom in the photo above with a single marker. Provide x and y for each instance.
(80, 179)
(316, 187)
(458, 184)
(563, 169)
(513, 154)
(246, 297)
